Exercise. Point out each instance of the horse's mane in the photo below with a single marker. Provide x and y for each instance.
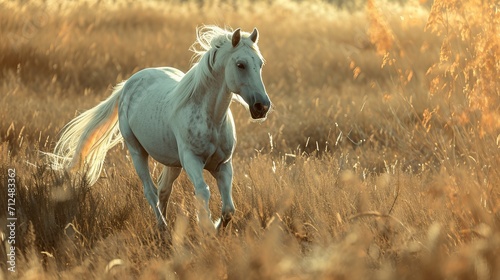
(212, 45)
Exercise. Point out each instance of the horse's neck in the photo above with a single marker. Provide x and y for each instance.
(216, 98)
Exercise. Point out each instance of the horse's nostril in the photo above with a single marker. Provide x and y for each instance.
(259, 107)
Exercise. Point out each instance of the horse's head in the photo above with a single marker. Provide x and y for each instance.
(243, 73)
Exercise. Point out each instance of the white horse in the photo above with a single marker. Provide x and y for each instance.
(181, 120)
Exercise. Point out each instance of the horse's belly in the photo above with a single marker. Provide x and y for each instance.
(159, 143)
(168, 161)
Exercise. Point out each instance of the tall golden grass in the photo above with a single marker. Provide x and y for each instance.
(380, 160)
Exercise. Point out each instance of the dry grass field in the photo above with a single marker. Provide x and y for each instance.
(380, 159)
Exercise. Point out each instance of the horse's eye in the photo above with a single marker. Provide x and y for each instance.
(240, 65)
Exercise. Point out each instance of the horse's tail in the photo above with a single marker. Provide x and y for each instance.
(86, 139)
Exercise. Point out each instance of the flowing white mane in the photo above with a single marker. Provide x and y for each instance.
(210, 36)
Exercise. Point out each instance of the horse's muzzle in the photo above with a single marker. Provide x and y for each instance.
(259, 110)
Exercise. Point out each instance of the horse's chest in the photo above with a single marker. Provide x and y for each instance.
(213, 145)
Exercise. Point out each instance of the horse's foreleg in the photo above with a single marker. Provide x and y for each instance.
(168, 176)
(194, 169)
(224, 177)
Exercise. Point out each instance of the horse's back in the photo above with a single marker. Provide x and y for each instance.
(152, 79)
(147, 87)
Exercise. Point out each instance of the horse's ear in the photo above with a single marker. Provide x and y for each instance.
(236, 37)
(255, 35)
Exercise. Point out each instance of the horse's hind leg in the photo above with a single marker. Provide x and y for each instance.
(140, 160)
(167, 178)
